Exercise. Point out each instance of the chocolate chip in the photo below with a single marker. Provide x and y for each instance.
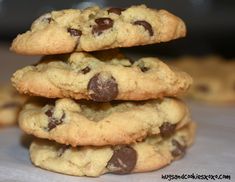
(102, 88)
(106, 22)
(102, 24)
(62, 149)
(86, 70)
(74, 32)
(167, 129)
(144, 69)
(53, 122)
(49, 113)
(117, 11)
(49, 20)
(10, 105)
(179, 150)
(146, 25)
(123, 160)
(203, 88)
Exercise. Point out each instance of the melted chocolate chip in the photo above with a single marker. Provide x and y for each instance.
(144, 69)
(106, 22)
(203, 88)
(117, 11)
(86, 70)
(49, 20)
(74, 32)
(167, 129)
(146, 25)
(53, 122)
(62, 149)
(102, 24)
(123, 160)
(10, 105)
(179, 149)
(102, 88)
(49, 113)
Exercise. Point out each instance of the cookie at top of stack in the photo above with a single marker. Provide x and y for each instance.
(143, 132)
(95, 29)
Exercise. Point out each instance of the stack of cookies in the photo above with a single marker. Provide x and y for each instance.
(103, 112)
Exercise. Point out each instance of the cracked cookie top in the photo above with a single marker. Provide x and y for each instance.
(93, 29)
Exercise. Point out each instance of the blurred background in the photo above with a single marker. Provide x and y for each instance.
(210, 25)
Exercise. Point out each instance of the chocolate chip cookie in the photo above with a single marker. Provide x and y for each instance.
(88, 123)
(95, 29)
(10, 105)
(214, 78)
(101, 78)
(151, 154)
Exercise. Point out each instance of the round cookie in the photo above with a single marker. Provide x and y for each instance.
(95, 29)
(100, 77)
(149, 155)
(214, 78)
(10, 105)
(89, 123)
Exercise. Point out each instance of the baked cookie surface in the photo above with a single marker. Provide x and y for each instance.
(89, 123)
(92, 29)
(100, 77)
(151, 154)
(214, 78)
(10, 104)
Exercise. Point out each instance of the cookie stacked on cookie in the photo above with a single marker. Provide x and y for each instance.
(103, 112)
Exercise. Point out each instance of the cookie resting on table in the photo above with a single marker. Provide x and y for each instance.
(10, 105)
(90, 123)
(100, 77)
(214, 78)
(95, 29)
(151, 154)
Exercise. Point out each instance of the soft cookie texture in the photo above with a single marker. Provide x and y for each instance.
(94, 29)
(151, 154)
(214, 78)
(100, 77)
(10, 105)
(87, 123)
